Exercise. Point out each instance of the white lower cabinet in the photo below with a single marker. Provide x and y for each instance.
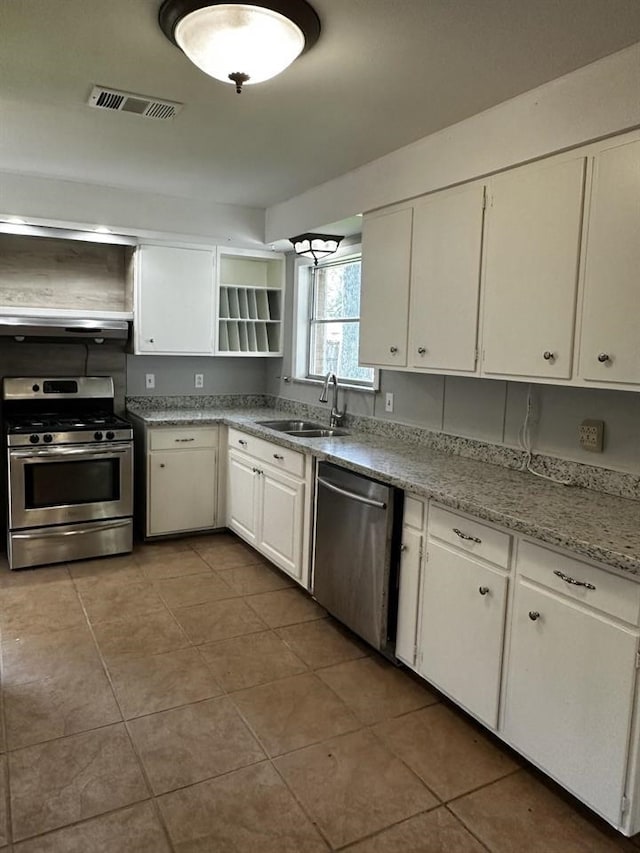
(269, 501)
(182, 480)
(463, 618)
(549, 661)
(570, 693)
(242, 496)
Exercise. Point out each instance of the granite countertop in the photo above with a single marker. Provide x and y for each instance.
(594, 525)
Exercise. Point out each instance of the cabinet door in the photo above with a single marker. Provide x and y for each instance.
(282, 514)
(408, 595)
(445, 280)
(384, 300)
(532, 244)
(242, 496)
(182, 490)
(610, 345)
(462, 633)
(174, 301)
(570, 694)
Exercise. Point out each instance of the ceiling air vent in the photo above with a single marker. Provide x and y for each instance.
(127, 102)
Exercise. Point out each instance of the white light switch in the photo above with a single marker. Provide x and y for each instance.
(199, 380)
(149, 381)
(388, 401)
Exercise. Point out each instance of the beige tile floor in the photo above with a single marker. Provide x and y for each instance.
(190, 698)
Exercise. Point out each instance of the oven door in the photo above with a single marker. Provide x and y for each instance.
(63, 485)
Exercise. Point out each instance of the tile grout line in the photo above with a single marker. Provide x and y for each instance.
(467, 827)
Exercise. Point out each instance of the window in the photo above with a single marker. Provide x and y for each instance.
(334, 323)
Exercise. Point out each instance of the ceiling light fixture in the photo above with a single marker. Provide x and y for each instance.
(315, 246)
(240, 42)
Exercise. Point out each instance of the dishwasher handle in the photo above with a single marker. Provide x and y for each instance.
(351, 495)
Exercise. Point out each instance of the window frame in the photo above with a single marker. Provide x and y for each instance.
(314, 321)
(302, 310)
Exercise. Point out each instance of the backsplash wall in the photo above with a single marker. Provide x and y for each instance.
(66, 359)
(174, 375)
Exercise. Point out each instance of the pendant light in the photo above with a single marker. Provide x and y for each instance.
(315, 246)
(240, 42)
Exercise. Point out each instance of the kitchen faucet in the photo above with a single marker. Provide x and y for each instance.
(336, 415)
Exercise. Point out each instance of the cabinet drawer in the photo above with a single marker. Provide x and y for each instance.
(413, 513)
(291, 461)
(181, 438)
(470, 536)
(610, 594)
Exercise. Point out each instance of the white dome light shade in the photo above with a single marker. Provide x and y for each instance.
(231, 38)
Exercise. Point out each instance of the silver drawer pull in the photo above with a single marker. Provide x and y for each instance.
(278, 456)
(483, 590)
(242, 442)
(534, 615)
(573, 581)
(257, 471)
(184, 440)
(466, 536)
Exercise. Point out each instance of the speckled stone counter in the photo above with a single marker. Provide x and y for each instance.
(597, 526)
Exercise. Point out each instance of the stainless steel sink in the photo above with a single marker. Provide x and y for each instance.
(290, 426)
(328, 432)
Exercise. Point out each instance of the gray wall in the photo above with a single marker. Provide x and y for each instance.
(175, 375)
(486, 409)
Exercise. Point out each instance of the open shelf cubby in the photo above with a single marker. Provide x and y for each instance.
(250, 302)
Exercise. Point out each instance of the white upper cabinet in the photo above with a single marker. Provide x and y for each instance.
(610, 341)
(174, 301)
(445, 280)
(532, 246)
(384, 302)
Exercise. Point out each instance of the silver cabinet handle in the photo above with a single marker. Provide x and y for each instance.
(548, 355)
(183, 440)
(278, 456)
(393, 350)
(257, 471)
(466, 536)
(242, 442)
(573, 581)
(534, 615)
(422, 350)
(403, 548)
(483, 590)
(604, 357)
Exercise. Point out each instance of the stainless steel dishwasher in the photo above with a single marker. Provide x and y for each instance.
(356, 551)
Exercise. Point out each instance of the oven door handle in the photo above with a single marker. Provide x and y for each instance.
(67, 451)
(90, 528)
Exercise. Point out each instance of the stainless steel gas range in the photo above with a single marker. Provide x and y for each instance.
(69, 470)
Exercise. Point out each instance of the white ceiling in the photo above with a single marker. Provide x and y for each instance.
(383, 74)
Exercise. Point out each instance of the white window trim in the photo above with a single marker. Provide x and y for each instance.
(301, 313)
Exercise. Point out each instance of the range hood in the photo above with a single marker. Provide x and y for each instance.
(63, 329)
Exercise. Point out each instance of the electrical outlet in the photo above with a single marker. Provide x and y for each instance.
(388, 401)
(591, 434)
(149, 381)
(199, 380)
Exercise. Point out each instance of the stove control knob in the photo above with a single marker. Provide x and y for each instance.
(97, 436)
(48, 439)
(35, 387)
(34, 439)
(111, 435)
